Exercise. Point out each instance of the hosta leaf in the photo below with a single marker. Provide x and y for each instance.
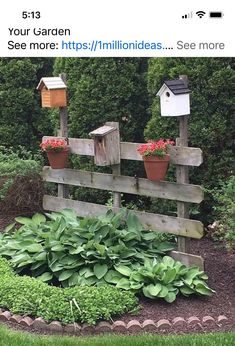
(149, 236)
(77, 250)
(124, 284)
(65, 275)
(73, 280)
(45, 277)
(164, 291)
(34, 248)
(204, 290)
(41, 256)
(146, 293)
(133, 222)
(169, 276)
(20, 258)
(100, 270)
(100, 248)
(91, 280)
(166, 246)
(55, 267)
(186, 290)
(38, 218)
(69, 213)
(170, 297)
(9, 227)
(36, 265)
(135, 285)
(154, 289)
(169, 261)
(124, 270)
(112, 276)
(58, 248)
(192, 273)
(23, 220)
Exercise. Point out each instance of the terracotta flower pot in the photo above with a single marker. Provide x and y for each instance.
(58, 160)
(156, 167)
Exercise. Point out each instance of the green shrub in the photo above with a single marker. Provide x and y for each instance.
(73, 251)
(12, 166)
(25, 295)
(225, 211)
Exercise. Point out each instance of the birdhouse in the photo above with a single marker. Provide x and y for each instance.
(106, 145)
(174, 98)
(53, 92)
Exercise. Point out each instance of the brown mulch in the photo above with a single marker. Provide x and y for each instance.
(219, 266)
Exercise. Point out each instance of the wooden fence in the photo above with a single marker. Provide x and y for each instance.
(183, 193)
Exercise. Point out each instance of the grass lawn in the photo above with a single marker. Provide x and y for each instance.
(13, 338)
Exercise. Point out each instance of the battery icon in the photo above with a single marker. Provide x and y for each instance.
(215, 14)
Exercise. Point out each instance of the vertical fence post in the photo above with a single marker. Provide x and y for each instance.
(182, 176)
(116, 169)
(63, 132)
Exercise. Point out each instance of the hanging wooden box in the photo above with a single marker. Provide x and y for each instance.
(53, 98)
(53, 92)
(106, 145)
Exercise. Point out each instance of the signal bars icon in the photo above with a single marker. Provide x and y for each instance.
(188, 15)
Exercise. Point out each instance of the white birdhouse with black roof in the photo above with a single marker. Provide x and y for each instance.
(174, 98)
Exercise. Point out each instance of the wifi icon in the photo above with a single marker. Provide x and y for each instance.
(200, 13)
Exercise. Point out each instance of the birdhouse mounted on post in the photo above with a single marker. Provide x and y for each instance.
(106, 145)
(174, 98)
(53, 92)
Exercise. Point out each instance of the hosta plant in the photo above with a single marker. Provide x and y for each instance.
(62, 249)
(164, 278)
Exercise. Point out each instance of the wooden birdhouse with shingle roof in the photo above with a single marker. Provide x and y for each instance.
(53, 92)
(174, 98)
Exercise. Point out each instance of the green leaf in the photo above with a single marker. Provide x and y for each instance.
(45, 277)
(147, 294)
(23, 220)
(100, 248)
(154, 289)
(170, 297)
(169, 276)
(77, 250)
(73, 280)
(112, 276)
(58, 248)
(100, 270)
(204, 290)
(186, 290)
(38, 218)
(41, 256)
(34, 248)
(169, 261)
(65, 275)
(163, 292)
(124, 284)
(166, 246)
(9, 227)
(124, 270)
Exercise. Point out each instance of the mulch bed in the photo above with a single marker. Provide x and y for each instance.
(219, 266)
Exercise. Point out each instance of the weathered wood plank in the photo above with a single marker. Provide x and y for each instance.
(188, 259)
(156, 222)
(179, 155)
(125, 184)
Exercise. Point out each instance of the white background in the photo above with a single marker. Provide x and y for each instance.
(126, 20)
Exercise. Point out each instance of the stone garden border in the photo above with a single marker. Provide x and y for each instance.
(119, 327)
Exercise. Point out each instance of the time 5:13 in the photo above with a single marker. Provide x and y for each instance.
(32, 15)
